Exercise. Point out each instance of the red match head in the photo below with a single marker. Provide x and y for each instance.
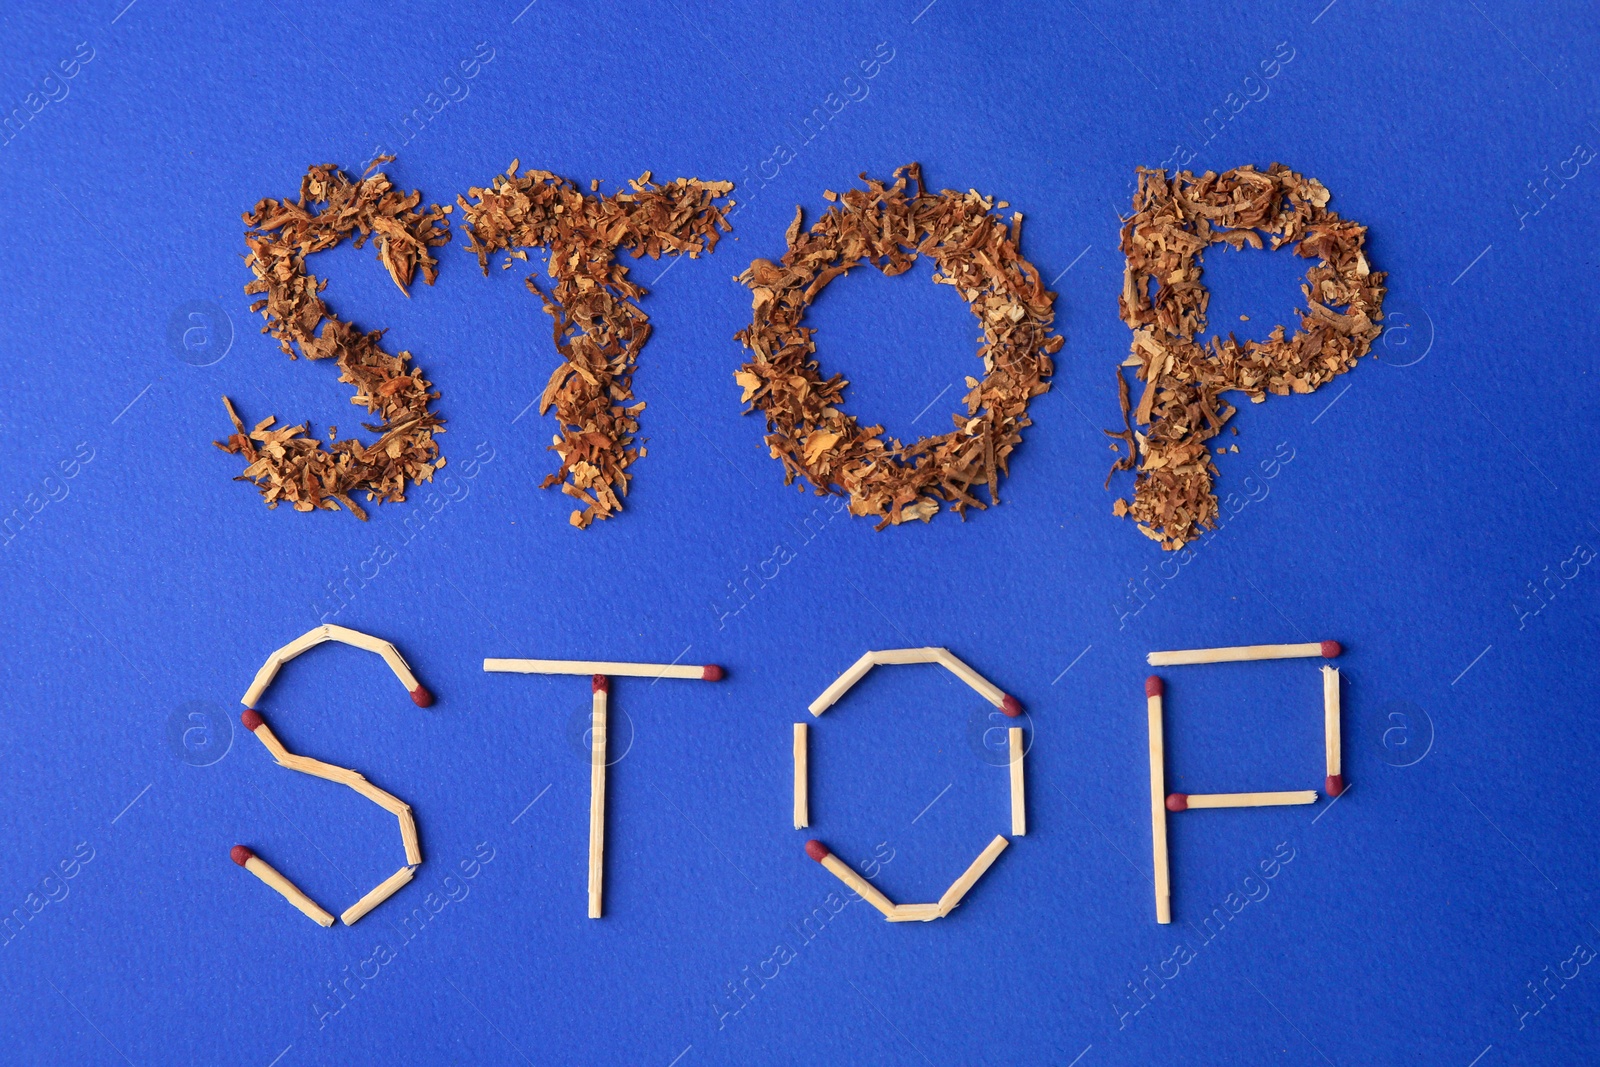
(421, 697)
(1177, 801)
(1334, 785)
(599, 684)
(1330, 649)
(817, 850)
(1153, 687)
(241, 855)
(1011, 705)
(712, 673)
(251, 720)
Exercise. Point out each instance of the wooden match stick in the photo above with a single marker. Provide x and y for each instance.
(391, 655)
(802, 807)
(383, 891)
(1326, 649)
(970, 876)
(408, 837)
(1019, 811)
(857, 671)
(708, 673)
(841, 870)
(257, 725)
(597, 794)
(915, 913)
(989, 691)
(291, 892)
(889, 657)
(263, 678)
(1153, 691)
(317, 768)
(1330, 730)
(1185, 801)
(308, 640)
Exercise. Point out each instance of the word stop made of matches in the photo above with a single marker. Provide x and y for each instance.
(601, 674)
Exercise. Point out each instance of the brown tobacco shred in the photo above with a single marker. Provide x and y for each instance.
(288, 464)
(1174, 220)
(598, 326)
(977, 252)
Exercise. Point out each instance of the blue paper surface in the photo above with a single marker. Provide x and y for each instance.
(1433, 510)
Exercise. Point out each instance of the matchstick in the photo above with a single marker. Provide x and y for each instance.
(1019, 813)
(841, 684)
(841, 870)
(990, 692)
(257, 725)
(384, 890)
(1330, 730)
(263, 678)
(306, 641)
(597, 794)
(1153, 691)
(1185, 801)
(307, 765)
(1325, 649)
(708, 673)
(408, 837)
(893, 656)
(391, 655)
(915, 913)
(802, 807)
(291, 892)
(969, 878)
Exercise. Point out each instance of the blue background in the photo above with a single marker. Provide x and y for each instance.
(1426, 489)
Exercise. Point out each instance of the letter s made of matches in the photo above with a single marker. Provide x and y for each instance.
(253, 722)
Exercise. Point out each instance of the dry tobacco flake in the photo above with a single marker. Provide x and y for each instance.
(1164, 302)
(890, 226)
(599, 328)
(289, 464)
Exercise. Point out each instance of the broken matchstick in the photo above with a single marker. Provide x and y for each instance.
(1019, 811)
(970, 876)
(1185, 801)
(802, 807)
(382, 892)
(841, 870)
(1153, 691)
(1330, 729)
(291, 892)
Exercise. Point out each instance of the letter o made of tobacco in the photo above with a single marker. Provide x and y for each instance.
(890, 226)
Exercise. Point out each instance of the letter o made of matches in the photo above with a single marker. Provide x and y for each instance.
(1005, 702)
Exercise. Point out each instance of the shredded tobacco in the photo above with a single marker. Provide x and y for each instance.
(288, 464)
(889, 226)
(1174, 220)
(599, 328)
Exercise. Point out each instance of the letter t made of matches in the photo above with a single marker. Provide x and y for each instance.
(601, 672)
